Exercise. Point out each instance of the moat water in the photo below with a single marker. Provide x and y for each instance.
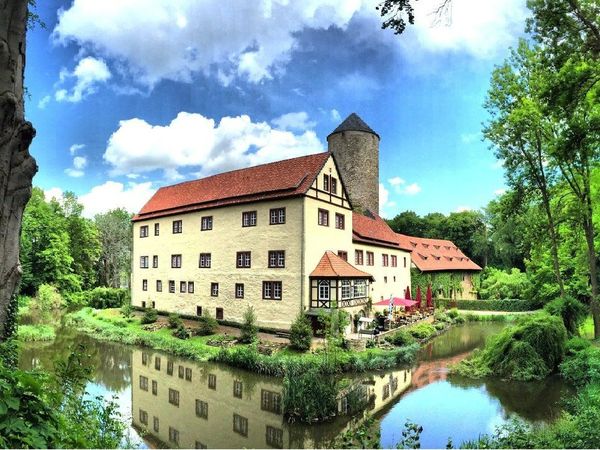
(174, 402)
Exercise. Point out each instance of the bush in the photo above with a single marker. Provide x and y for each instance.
(459, 320)
(181, 332)
(301, 333)
(422, 331)
(439, 326)
(509, 305)
(150, 316)
(47, 300)
(529, 350)
(441, 316)
(127, 310)
(103, 297)
(453, 313)
(249, 328)
(206, 326)
(400, 338)
(572, 312)
(583, 366)
(497, 284)
(174, 321)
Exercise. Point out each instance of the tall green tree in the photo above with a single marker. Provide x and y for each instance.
(409, 223)
(569, 34)
(115, 232)
(522, 133)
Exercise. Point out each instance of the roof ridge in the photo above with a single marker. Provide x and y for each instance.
(244, 168)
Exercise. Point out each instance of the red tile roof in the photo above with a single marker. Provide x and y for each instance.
(332, 266)
(373, 230)
(435, 254)
(281, 179)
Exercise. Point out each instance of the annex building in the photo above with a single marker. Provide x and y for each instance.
(298, 235)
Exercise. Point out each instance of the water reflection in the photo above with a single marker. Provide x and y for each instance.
(174, 402)
(182, 404)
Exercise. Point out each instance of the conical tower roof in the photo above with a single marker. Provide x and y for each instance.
(353, 123)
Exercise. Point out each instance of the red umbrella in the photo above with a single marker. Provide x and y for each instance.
(418, 297)
(429, 299)
(396, 302)
(407, 293)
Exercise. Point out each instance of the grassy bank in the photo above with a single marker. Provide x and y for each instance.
(107, 325)
(31, 333)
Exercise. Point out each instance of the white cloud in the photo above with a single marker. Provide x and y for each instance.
(74, 173)
(412, 189)
(335, 115)
(194, 141)
(254, 41)
(166, 40)
(79, 162)
(44, 102)
(500, 191)
(88, 73)
(53, 193)
(396, 181)
(293, 121)
(384, 196)
(75, 148)
(112, 195)
(479, 28)
(463, 208)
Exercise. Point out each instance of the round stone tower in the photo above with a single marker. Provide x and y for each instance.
(355, 147)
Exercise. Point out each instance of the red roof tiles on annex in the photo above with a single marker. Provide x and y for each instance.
(332, 266)
(435, 254)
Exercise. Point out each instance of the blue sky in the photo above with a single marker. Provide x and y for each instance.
(127, 96)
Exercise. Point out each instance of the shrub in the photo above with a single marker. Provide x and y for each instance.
(150, 316)
(441, 316)
(439, 326)
(583, 366)
(400, 338)
(249, 328)
(181, 332)
(174, 321)
(103, 297)
(529, 350)
(301, 333)
(453, 313)
(572, 312)
(309, 395)
(459, 320)
(127, 310)
(47, 300)
(206, 326)
(422, 331)
(497, 284)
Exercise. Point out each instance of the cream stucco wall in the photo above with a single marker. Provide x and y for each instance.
(226, 238)
(398, 278)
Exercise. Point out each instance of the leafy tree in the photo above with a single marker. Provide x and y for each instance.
(522, 132)
(409, 223)
(115, 233)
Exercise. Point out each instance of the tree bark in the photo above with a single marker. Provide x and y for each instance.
(17, 166)
(589, 229)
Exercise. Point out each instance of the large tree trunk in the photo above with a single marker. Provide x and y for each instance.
(17, 167)
(589, 229)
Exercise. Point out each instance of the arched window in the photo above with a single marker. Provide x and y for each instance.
(324, 290)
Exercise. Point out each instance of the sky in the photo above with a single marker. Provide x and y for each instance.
(131, 95)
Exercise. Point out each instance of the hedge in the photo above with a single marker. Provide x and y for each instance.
(511, 305)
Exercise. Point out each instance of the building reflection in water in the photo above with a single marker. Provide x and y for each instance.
(179, 403)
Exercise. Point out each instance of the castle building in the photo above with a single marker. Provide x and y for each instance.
(298, 235)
